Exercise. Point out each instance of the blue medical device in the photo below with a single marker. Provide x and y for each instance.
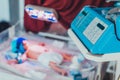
(98, 34)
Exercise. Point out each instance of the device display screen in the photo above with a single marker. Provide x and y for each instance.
(95, 29)
(100, 26)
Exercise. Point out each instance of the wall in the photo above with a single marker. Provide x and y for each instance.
(11, 10)
(4, 10)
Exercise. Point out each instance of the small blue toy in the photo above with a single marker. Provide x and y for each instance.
(18, 48)
(77, 75)
(17, 45)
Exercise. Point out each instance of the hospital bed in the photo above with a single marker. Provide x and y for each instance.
(31, 69)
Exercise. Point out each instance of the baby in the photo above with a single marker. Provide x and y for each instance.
(38, 51)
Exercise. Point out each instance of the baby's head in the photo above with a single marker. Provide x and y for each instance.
(17, 45)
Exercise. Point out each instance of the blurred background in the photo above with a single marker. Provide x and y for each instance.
(8, 10)
(13, 10)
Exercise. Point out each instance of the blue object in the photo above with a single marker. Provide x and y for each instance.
(78, 76)
(117, 4)
(74, 72)
(19, 61)
(97, 33)
(17, 45)
(18, 48)
(10, 55)
(118, 27)
(18, 58)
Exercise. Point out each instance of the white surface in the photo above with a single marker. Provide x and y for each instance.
(59, 44)
(6, 76)
(36, 75)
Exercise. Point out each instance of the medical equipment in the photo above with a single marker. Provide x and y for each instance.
(94, 35)
(96, 32)
(42, 13)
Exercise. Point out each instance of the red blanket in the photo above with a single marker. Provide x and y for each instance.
(67, 10)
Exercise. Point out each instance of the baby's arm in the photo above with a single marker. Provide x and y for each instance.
(22, 58)
(12, 61)
(58, 69)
